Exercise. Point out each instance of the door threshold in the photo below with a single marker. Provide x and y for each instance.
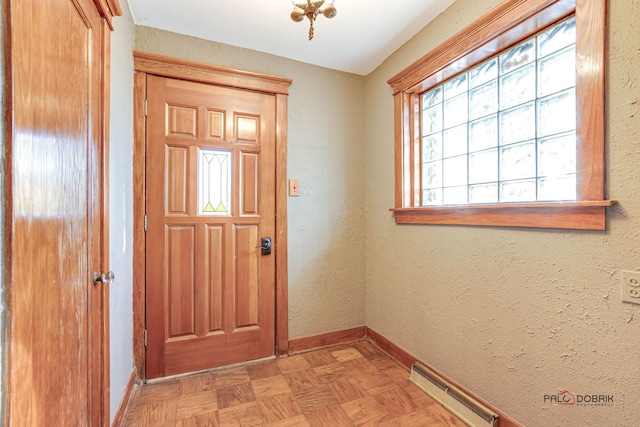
(204, 371)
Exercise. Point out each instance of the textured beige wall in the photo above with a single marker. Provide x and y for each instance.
(326, 153)
(513, 314)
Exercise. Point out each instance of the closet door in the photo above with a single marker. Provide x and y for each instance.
(58, 314)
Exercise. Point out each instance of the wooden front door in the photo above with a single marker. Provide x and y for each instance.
(58, 319)
(210, 194)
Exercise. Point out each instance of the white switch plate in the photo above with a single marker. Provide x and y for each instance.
(630, 283)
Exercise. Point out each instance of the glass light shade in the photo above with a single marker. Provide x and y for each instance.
(297, 14)
(329, 11)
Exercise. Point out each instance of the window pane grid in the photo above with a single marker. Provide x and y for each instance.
(504, 131)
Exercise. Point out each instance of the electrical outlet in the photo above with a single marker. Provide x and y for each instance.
(630, 282)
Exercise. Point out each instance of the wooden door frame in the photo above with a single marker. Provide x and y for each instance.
(108, 9)
(149, 64)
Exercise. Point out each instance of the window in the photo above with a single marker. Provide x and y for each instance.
(214, 182)
(504, 131)
(492, 130)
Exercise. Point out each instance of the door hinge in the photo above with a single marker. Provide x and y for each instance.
(146, 104)
(145, 223)
(145, 337)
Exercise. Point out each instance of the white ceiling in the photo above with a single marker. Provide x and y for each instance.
(362, 35)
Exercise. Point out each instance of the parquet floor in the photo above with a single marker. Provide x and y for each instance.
(345, 385)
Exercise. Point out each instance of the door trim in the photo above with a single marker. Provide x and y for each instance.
(149, 64)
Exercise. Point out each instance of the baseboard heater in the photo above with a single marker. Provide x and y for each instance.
(451, 397)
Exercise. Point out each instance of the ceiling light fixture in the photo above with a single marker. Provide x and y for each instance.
(311, 9)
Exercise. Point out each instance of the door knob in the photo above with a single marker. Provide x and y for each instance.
(266, 246)
(103, 277)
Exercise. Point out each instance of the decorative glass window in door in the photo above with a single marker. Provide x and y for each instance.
(214, 182)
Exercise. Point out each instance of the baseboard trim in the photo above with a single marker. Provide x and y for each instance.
(401, 356)
(327, 339)
(407, 359)
(119, 418)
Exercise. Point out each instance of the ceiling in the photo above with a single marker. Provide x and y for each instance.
(362, 35)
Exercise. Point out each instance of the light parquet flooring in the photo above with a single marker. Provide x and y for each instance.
(346, 385)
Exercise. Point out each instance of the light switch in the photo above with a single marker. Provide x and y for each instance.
(294, 187)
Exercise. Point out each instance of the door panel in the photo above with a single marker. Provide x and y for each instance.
(249, 190)
(247, 281)
(213, 279)
(177, 180)
(210, 199)
(181, 284)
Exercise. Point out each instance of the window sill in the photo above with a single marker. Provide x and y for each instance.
(584, 215)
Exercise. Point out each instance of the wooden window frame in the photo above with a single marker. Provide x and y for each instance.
(508, 24)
